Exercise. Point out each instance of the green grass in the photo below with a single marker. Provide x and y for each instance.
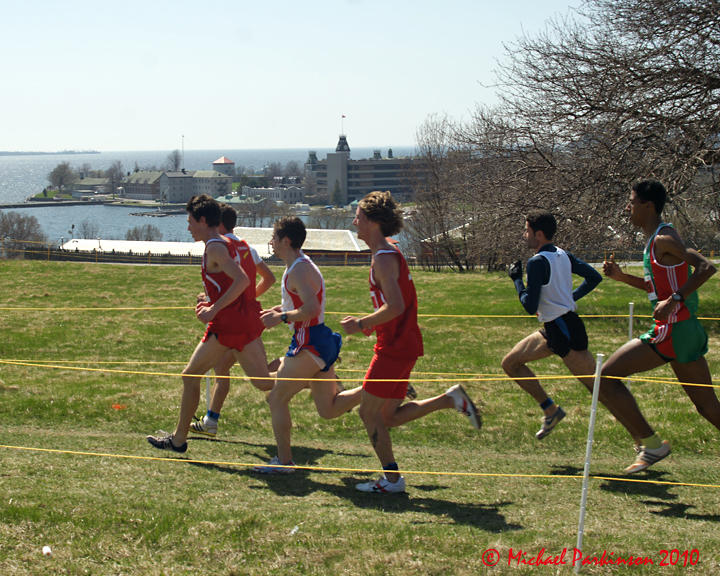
(52, 193)
(127, 509)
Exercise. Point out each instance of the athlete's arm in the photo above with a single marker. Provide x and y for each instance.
(219, 260)
(612, 270)
(304, 281)
(670, 250)
(538, 273)
(591, 277)
(267, 278)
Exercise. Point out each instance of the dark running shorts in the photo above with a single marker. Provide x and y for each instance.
(565, 333)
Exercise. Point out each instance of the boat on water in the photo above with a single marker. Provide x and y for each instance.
(160, 212)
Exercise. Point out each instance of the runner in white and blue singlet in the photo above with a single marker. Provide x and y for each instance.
(549, 294)
(314, 347)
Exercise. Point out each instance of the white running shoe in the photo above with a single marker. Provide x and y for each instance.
(206, 426)
(464, 405)
(549, 423)
(647, 457)
(382, 486)
(275, 467)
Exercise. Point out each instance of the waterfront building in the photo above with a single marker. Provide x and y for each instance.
(212, 183)
(143, 185)
(344, 180)
(176, 187)
(179, 187)
(87, 186)
(224, 166)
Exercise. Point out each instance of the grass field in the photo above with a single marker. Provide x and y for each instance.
(76, 473)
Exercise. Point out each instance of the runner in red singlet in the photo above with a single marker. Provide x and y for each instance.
(232, 318)
(253, 266)
(399, 342)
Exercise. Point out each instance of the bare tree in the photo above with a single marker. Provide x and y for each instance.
(292, 168)
(62, 175)
(273, 169)
(146, 232)
(624, 89)
(173, 163)
(88, 229)
(256, 213)
(16, 231)
(337, 196)
(310, 183)
(445, 219)
(115, 175)
(17, 226)
(331, 219)
(85, 170)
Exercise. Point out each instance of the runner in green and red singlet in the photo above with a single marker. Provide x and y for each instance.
(673, 273)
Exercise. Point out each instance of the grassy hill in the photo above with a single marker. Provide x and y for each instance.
(76, 472)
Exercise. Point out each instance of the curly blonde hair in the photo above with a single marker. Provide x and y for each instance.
(380, 207)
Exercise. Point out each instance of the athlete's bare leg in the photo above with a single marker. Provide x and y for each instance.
(329, 402)
(582, 365)
(531, 348)
(394, 415)
(631, 358)
(292, 377)
(204, 357)
(253, 361)
(371, 413)
(222, 381)
(703, 397)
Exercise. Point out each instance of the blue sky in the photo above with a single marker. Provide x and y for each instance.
(136, 75)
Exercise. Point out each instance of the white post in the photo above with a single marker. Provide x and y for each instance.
(208, 380)
(588, 454)
(630, 333)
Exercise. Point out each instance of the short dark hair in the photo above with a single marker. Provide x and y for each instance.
(204, 205)
(651, 191)
(228, 216)
(541, 220)
(381, 207)
(291, 227)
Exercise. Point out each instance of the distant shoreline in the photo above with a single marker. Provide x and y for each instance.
(22, 153)
(91, 202)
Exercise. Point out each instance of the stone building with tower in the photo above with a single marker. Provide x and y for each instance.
(344, 180)
(224, 166)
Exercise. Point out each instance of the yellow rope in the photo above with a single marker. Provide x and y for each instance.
(462, 377)
(341, 469)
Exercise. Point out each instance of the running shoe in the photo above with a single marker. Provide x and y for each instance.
(275, 467)
(549, 422)
(411, 394)
(205, 426)
(464, 405)
(164, 442)
(647, 457)
(382, 486)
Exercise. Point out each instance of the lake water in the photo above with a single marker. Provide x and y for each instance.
(24, 176)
